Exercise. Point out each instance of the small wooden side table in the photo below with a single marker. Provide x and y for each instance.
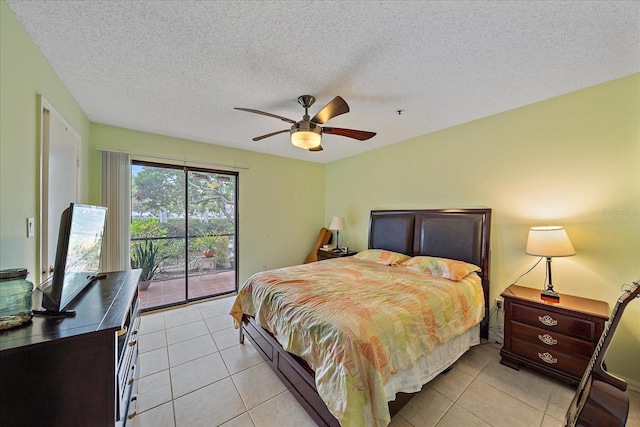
(322, 254)
(557, 338)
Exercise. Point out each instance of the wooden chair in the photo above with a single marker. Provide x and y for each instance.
(323, 238)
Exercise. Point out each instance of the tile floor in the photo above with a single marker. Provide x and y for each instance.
(193, 373)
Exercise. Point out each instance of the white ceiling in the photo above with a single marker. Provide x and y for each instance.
(178, 68)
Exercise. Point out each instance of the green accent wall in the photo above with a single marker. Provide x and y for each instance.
(573, 160)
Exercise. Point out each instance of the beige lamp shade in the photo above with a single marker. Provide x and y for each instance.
(337, 223)
(306, 139)
(549, 242)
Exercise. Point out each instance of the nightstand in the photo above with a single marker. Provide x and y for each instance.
(322, 255)
(556, 338)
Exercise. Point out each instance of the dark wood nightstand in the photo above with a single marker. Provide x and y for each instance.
(555, 338)
(322, 255)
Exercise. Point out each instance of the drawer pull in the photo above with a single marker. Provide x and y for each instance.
(547, 358)
(547, 320)
(548, 339)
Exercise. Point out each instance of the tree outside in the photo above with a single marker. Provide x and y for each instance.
(159, 227)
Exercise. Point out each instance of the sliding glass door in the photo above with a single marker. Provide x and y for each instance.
(183, 232)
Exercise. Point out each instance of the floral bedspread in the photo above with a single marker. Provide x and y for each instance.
(357, 322)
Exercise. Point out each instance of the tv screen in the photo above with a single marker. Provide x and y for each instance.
(77, 255)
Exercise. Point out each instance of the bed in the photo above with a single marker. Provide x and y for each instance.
(366, 381)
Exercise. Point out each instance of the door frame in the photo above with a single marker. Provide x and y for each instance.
(185, 168)
(49, 222)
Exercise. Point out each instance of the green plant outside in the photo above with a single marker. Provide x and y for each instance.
(145, 255)
(149, 250)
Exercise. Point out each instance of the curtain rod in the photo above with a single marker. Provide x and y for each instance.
(151, 156)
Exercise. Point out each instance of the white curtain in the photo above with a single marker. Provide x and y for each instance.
(116, 196)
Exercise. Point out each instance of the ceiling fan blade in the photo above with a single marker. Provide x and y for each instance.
(249, 110)
(360, 135)
(334, 108)
(258, 138)
(318, 148)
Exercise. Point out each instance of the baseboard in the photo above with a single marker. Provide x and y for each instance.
(495, 337)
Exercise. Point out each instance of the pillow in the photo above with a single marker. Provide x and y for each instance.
(382, 256)
(441, 267)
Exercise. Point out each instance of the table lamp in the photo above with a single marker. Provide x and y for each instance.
(337, 223)
(549, 242)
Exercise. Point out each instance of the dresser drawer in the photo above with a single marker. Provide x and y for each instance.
(554, 321)
(552, 340)
(550, 358)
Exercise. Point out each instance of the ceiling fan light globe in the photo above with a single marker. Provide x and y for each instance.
(306, 139)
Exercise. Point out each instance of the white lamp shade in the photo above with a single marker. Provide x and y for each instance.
(306, 139)
(337, 223)
(549, 242)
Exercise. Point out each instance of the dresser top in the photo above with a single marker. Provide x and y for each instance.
(567, 302)
(101, 306)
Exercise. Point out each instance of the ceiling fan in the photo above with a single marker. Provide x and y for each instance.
(307, 133)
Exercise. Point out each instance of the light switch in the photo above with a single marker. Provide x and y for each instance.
(30, 227)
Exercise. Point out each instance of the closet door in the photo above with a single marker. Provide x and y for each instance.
(59, 172)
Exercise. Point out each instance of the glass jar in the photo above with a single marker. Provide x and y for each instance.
(15, 298)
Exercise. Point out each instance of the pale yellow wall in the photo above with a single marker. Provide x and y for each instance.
(25, 74)
(281, 200)
(572, 160)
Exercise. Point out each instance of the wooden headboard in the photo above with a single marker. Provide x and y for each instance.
(461, 234)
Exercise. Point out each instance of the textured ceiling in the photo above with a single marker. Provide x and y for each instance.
(178, 68)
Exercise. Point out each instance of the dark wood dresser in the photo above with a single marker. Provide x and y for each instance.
(74, 371)
(555, 338)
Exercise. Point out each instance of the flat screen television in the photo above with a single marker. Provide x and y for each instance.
(77, 257)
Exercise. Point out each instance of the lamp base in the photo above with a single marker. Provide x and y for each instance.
(549, 295)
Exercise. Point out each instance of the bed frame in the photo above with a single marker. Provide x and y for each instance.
(461, 234)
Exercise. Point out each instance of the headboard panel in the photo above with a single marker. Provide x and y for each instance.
(462, 234)
(393, 231)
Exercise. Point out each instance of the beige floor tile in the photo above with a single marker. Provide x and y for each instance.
(240, 357)
(257, 385)
(560, 400)
(216, 308)
(226, 338)
(426, 408)
(457, 416)
(476, 358)
(153, 390)
(151, 323)
(161, 416)
(153, 361)
(196, 374)
(186, 332)
(634, 409)
(549, 421)
(182, 316)
(192, 349)
(399, 421)
(497, 407)
(528, 386)
(212, 405)
(243, 420)
(451, 384)
(219, 323)
(283, 410)
(152, 341)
